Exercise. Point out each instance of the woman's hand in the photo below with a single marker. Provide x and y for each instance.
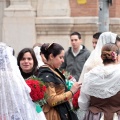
(75, 87)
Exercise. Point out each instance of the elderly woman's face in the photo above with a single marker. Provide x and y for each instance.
(27, 63)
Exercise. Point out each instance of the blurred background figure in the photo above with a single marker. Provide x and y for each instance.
(118, 41)
(13, 51)
(37, 50)
(118, 44)
(76, 56)
(95, 39)
(27, 62)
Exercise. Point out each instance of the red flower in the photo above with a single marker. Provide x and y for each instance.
(38, 89)
(70, 77)
(75, 100)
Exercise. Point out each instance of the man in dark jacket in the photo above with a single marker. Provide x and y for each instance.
(76, 56)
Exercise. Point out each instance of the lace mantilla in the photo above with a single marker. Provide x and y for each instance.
(95, 57)
(15, 101)
(3, 57)
(102, 81)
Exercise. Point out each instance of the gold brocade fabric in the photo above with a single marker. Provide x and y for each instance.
(56, 93)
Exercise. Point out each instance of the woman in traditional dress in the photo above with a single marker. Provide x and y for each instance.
(58, 96)
(100, 91)
(15, 101)
(95, 59)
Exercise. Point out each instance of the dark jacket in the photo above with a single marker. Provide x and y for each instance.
(74, 64)
(57, 107)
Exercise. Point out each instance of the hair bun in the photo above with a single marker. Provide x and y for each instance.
(108, 55)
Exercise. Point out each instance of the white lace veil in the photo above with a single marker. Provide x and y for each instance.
(15, 101)
(37, 53)
(102, 81)
(95, 57)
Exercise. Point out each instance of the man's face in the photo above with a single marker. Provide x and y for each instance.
(75, 41)
(94, 42)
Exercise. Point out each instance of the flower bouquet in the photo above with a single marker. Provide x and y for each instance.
(38, 91)
(69, 79)
(75, 100)
(68, 76)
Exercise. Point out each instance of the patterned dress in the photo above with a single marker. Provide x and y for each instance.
(57, 107)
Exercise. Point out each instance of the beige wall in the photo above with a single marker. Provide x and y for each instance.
(3, 5)
(54, 22)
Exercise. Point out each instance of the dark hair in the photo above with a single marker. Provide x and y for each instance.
(21, 54)
(96, 35)
(53, 48)
(43, 47)
(76, 33)
(108, 53)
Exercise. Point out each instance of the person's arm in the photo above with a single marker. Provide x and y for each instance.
(54, 99)
(83, 101)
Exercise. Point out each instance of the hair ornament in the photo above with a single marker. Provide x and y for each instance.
(113, 54)
(47, 47)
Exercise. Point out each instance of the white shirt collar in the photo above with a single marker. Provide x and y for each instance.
(80, 48)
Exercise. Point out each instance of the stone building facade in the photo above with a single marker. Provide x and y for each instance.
(25, 22)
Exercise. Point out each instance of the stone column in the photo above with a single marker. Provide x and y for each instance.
(53, 22)
(3, 5)
(20, 2)
(19, 25)
(20, 8)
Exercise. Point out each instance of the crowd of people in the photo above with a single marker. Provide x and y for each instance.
(96, 76)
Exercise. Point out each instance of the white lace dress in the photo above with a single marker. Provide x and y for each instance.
(15, 101)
